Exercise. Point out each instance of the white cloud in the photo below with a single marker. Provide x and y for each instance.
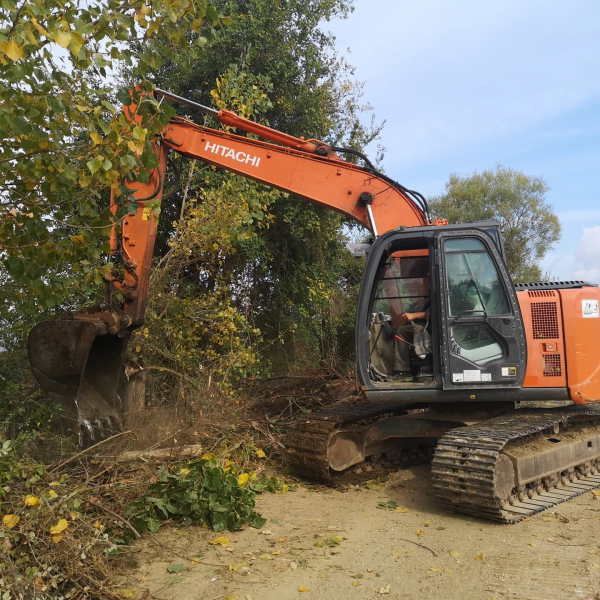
(586, 262)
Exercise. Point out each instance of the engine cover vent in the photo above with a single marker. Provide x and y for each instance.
(544, 320)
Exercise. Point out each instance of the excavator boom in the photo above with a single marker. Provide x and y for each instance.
(78, 360)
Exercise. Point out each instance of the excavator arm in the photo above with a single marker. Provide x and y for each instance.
(78, 360)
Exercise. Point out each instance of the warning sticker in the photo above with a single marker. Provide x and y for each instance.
(589, 309)
(472, 375)
(509, 371)
(457, 378)
(486, 377)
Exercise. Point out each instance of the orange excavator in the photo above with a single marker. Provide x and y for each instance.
(499, 382)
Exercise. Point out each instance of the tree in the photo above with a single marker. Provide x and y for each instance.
(64, 145)
(277, 64)
(517, 201)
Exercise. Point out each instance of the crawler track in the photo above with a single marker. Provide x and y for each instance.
(307, 440)
(465, 458)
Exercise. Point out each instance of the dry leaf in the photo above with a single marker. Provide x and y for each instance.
(59, 527)
(384, 590)
(454, 553)
(478, 556)
(31, 501)
(357, 576)
(260, 453)
(266, 557)
(356, 583)
(420, 532)
(426, 523)
(10, 520)
(230, 597)
(396, 554)
(534, 545)
(547, 519)
(592, 552)
(369, 570)
(52, 494)
(596, 492)
(281, 540)
(57, 537)
(303, 588)
(435, 569)
(220, 541)
(238, 566)
(208, 456)
(275, 552)
(230, 549)
(293, 565)
(446, 570)
(401, 509)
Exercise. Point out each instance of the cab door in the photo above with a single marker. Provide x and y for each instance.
(483, 338)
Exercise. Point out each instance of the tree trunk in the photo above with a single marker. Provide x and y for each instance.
(134, 397)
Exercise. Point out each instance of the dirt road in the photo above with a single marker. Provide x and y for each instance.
(424, 553)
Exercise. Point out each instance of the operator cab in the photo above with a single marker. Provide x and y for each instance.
(437, 311)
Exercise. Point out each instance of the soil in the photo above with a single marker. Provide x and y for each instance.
(550, 556)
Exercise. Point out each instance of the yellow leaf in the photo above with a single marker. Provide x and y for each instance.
(238, 566)
(62, 38)
(13, 50)
(547, 519)
(277, 552)
(426, 523)
(57, 537)
(230, 597)
(208, 456)
(59, 527)
(40, 29)
(31, 501)
(96, 138)
(369, 570)
(420, 532)
(596, 492)
(78, 240)
(260, 453)
(592, 552)
(396, 554)
(10, 520)
(446, 570)
(266, 557)
(98, 525)
(74, 515)
(401, 509)
(184, 472)
(384, 590)
(128, 593)
(243, 479)
(534, 545)
(220, 541)
(435, 569)
(478, 556)
(281, 540)
(303, 588)
(454, 553)
(356, 583)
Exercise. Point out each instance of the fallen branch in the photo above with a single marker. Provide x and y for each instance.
(114, 514)
(191, 451)
(417, 544)
(94, 447)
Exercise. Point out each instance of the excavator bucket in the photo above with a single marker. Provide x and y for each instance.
(80, 368)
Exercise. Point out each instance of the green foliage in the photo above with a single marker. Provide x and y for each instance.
(65, 141)
(202, 492)
(517, 201)
(291, 279)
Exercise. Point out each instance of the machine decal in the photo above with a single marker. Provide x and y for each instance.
(486, 377)
(457, 378)
(230, 153)
(472, 375)
(509, 371)
(589, 309)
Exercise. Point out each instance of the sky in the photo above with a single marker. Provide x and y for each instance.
(466, 85)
